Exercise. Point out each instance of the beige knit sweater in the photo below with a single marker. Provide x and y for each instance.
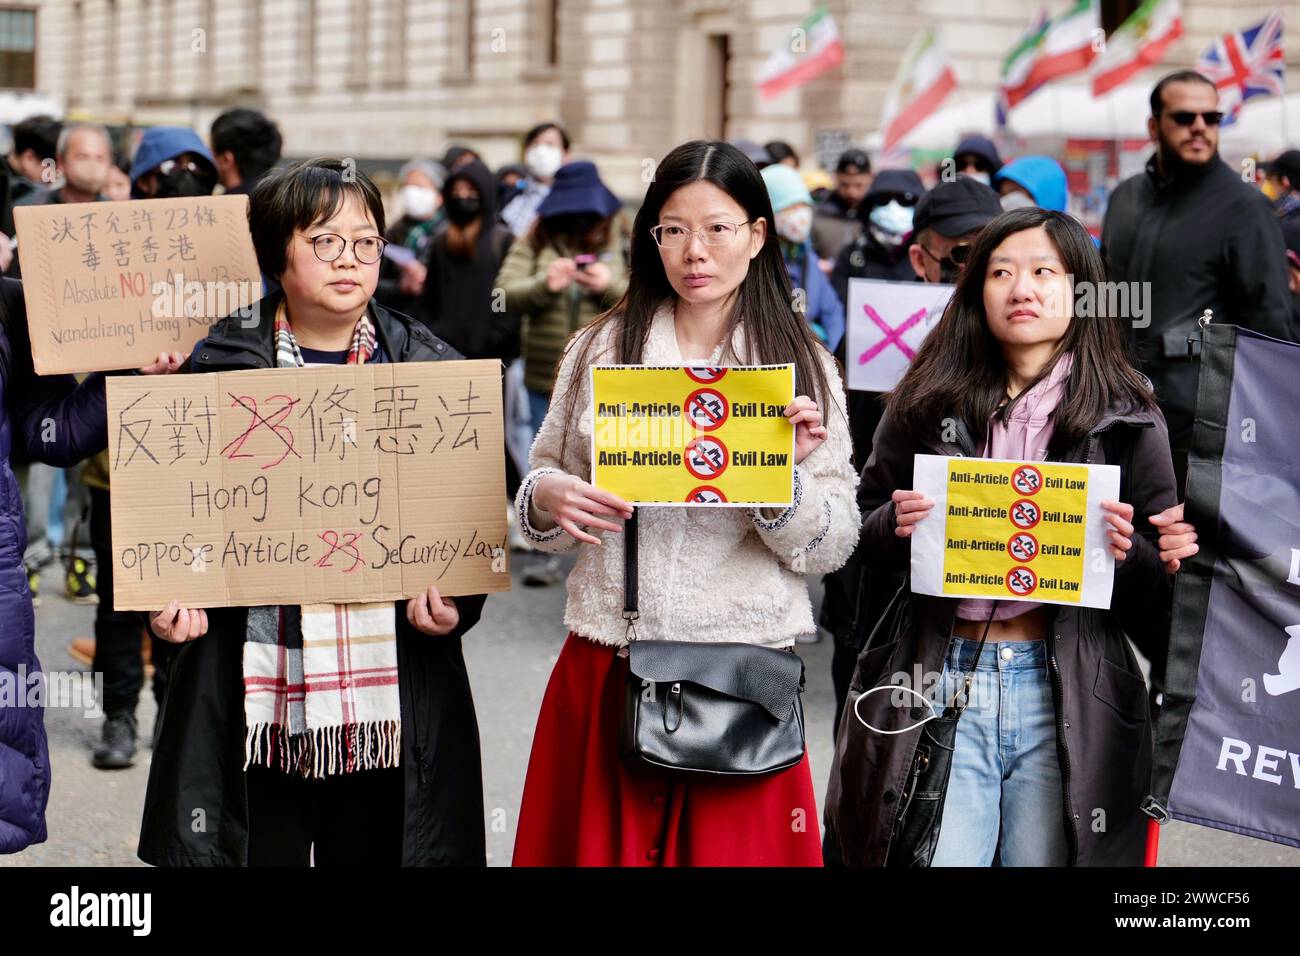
(706, 574)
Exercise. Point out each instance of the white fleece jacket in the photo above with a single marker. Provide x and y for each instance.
(706, 574)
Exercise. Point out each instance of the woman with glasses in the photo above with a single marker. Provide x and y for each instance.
(277, 776)
(707, 287)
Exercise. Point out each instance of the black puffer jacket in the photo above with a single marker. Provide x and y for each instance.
(1102, 719)
(199, 757)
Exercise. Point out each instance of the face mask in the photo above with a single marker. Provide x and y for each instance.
(544, 160)
(463, 209)
(978, 177)
(1017, 200)
(182, 182)
(890, 241)
(794, 225)
(893, 217)
(419, 202)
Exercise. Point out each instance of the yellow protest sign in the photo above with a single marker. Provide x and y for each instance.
(691, 435)
(1014, 530)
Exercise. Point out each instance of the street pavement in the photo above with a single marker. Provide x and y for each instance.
(94, 815)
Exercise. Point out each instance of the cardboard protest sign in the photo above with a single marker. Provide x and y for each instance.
(111, 284)
(693, 435)
(887, 321)
(1014, 530)
(301, 486)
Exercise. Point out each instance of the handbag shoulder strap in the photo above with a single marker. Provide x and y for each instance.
(630, 613)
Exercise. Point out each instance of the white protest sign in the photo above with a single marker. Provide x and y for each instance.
(1014, 530)
(887, 321)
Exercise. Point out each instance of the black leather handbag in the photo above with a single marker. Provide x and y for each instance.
(725, 709)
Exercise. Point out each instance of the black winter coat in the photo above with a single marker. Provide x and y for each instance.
(1102, 718)
(199, 757)
(1204, 240)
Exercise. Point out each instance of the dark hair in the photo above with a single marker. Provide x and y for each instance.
(122, 161)
(40, 134)
(581, 231)
(774, 332)
(960, 370)
(1179, 76)
(541, 128)
(295, 198)
(779, 150)
(254, 140)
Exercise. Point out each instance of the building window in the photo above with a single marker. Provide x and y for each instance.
(18, 48)
(395, 44)
(545, 47)
(306, 78)
(460, 41)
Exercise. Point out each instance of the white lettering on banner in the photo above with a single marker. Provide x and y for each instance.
(1237, 752)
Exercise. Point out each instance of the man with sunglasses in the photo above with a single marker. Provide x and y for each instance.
(1202, 238)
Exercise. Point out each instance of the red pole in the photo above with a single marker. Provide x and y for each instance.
(1153, 842)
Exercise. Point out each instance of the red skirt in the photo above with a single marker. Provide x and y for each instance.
(584, 806)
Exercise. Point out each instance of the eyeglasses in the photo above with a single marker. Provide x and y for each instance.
(958, 253)
(329, 247)
(168, 166)
(1187, 117)
(711, 234)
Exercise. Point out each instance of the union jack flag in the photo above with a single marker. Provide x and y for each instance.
(1246, 64)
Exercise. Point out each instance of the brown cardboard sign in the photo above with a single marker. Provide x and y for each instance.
(303, 486)
(111, 284)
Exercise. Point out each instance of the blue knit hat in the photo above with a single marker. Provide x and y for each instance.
(785, 186)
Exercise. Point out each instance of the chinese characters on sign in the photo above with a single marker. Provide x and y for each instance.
(352, 483)
(110, 285)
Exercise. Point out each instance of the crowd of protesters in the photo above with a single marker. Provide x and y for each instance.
(734, 256)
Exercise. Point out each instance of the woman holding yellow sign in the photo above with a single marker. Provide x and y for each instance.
(1051, 756)
(708, 288)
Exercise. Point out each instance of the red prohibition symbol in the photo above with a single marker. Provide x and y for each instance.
(705, 458)
(706, 495)
(1023, 546)
(704, 374)
(1027, 480)
(707, 409)
(1021, 581)
(1025, 514)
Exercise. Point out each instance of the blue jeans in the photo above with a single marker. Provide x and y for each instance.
(538, 404)
(1004, 798)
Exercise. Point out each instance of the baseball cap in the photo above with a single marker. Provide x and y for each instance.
(955, 208)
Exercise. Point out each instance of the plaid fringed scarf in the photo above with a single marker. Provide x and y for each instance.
(320, 681)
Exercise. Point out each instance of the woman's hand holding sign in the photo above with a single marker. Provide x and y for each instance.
(178, 624)
(164, 364)
(909, 508)
(1119, 517)
(433, 614)
(809, 432)
(574, 504)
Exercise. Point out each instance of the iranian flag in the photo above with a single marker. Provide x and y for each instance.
(1140, 41)
(924, 80)
(1049, 50)
(813, 48)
